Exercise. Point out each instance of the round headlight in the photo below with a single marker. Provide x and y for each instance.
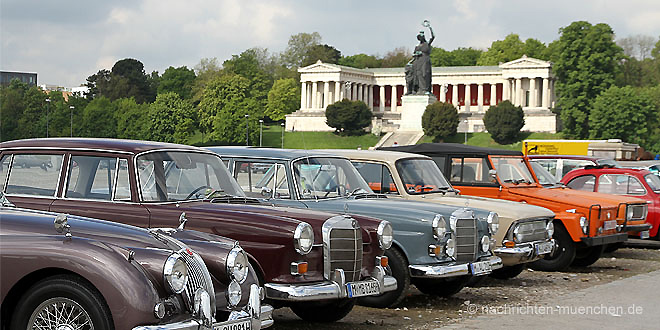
(439, 226)
(550, 229)
(385, 235)
(583, 224)
(233, 293)
(493, 222)
(450, 249)
(303, 238)
(485, 243)
(176, 273)
(237, 264)
(516, 234)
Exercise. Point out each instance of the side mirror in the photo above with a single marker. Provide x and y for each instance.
(492, 173)
(266, 192)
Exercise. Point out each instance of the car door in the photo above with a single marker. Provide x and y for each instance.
(470, 174)
(33, 187)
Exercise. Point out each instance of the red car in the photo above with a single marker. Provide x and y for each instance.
(621, 181)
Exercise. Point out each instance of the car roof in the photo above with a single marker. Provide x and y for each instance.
(380, 155)
(132, 146)
(608, 170)
(579, 157)
(452, 148)
(274, 153)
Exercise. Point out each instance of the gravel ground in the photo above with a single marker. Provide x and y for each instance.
(419, 311)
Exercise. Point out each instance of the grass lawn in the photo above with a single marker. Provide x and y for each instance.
(483, 139)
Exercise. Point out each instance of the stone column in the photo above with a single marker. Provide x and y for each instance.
(303, 96)
(370, 97)
(337, 91)
(394, 98)
(544, 93)
(359, 93)
(315, 103)
(381, 93)
(353, 92)
(493, 94)
(480, 97)
(518, 92)
(533, 93)
(326, 93)
(506, 90)
(467, 98)
(443, 95)
(454, 95)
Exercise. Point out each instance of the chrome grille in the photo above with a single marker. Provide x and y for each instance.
(198, 277)
(342, 241)
(532, 231)
(467, 245)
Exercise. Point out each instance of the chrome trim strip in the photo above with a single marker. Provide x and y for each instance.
(451, 269)
(319, 291)
(521, 253)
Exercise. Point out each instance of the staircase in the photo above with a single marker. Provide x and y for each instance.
(402, 138)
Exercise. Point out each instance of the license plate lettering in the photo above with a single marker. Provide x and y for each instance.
(236, 325)
(481, 268)
(361, 289)
(544, 248)
(644, 234)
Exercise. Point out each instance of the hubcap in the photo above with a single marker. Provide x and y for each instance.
(60, 314)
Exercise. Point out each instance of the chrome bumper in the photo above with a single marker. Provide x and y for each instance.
(632, 229)
(334, 289)
(521, 253)
(451, 269)
(259, 316)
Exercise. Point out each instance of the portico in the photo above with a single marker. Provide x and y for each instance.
(526, 82)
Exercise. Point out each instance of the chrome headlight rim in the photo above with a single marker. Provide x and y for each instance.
(550, 228)
(237, 264)
(303, 245)
(584, 224)
(234, 293)
(175, 273)
(516, 234)
(450, 248)
(439, 226)
(485, 243)
(493, 222)
(385, 230)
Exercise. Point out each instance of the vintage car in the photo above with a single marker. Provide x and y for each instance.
(67, 272)
(652, 166)
(436, 247)
(559, 165)
(527, 229)
(625, 182)
(317, 263)
(584, 222)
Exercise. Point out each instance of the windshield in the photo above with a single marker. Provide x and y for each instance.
(653, 181)
(177, 176)
(421, 176)
(512, 170)
(328, 177)
(545, 178)
(610, 162)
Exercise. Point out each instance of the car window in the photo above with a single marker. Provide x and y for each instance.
(571, 164)
(620, 184)
(35, 175)
(320, 177)
(123, 187)
(4, 169)
(653, 181)
(549, 165)
(512, 170)
(258, 179)
(469, 170)
(585, 183)
(91, 177)
(378, 177)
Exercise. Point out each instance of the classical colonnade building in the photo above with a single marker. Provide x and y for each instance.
(526, 82)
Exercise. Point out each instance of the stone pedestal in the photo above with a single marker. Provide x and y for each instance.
(412, 109)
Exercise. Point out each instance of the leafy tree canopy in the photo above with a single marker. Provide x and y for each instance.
(348, 117)
(126, 79)
(512, 48)
(361, 61)
(171, 119)
(458, 57)
(132, 119)
(504, 121)
(178, 80)
(440, 120)
(283, 99)
(397, 58)
(98, 119)
(298, 47)
(324, 53)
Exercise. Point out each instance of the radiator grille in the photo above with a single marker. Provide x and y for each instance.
(198, 277)
(466, 240)
(343, 241)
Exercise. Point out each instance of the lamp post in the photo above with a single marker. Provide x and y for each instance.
(71, 108)
(282, 124)
(466, 129)
(47, 111)
(261, 131)
(247, 131)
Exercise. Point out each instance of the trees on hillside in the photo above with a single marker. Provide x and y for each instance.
(126, 79)
(178, 80)
(512, 48)
(283, 99)
(457, 57)
(171, 119)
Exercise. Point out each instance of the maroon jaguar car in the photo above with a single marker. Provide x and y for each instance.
(314, 262)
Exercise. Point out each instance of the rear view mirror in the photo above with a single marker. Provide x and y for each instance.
(266, 192)
(492, 173)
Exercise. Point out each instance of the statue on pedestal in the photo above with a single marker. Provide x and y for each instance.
(418, 70)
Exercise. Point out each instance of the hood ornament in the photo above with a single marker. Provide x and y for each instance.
(345, 208)
(182, 221)
(62, 225)
(5, 201)
(467, 203)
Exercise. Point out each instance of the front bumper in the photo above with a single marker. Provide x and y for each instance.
(451, 269)
(257, 315)
(521, 253)
(604, 239)
(632, 229)
(326, 290)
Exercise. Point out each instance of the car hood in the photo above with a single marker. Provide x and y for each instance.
(504, 208)
(576, 198)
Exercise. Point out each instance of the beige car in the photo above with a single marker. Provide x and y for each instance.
(528, 228)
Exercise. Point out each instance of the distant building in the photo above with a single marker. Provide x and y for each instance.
(29, 78)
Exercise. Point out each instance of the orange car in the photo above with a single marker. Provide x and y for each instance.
(585, 222)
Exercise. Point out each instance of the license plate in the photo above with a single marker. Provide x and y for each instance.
(544, 248)
(644, 234)
(609, 225)
(481, 268)
(242, 324)
(364, 288)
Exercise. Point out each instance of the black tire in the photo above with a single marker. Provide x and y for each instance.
(609, 248)
(323, 311)
(398, 268)
(563, 254)
(508, 272)
(442, 287)
(587, 256)
(72, 291)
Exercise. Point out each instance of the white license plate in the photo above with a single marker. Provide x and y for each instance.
(609, 225)
(644, 234)
(361, 289)
(242, 324)
(544, 248)
(480, 268)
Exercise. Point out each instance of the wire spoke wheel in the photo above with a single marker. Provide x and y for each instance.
(60, 313)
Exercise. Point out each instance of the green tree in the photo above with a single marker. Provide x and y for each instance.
(247, 65)
(501, 51)
(171, 119)
(457, 57)
(348, 117)
(59, 120)
(623, 113)
(283, 99)
(361, 61)
(32, 123)
(397, 58)
(178, 80)
(324, 53)
(132, 119)
(98, 119)
(585, 68)
(297, 47)
(440, 120)
(225, 102)
(12, 105)
(504, 121)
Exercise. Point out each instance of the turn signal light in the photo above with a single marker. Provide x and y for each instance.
(384, 261)
(509, 244)
(298, 268)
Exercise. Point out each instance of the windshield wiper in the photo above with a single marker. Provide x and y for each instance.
(357, 191)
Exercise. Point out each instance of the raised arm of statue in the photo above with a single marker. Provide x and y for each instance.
(432, 35)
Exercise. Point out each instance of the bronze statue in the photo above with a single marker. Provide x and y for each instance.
(420, 79)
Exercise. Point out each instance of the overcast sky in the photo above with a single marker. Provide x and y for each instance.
(66, 41)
